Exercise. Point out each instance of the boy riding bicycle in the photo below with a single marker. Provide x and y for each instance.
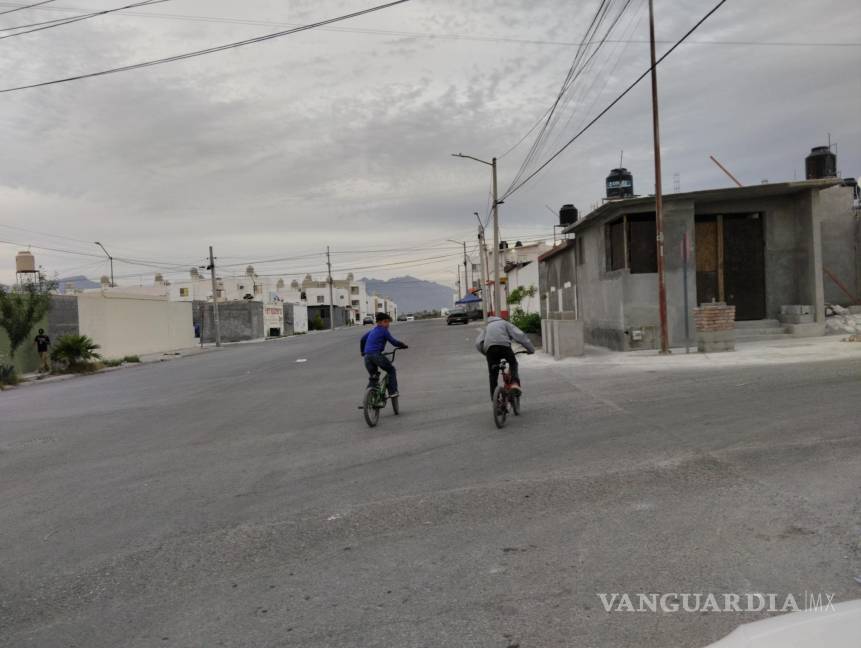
(372, 346)
(495, 343)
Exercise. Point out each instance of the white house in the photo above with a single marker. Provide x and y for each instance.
(520, 264)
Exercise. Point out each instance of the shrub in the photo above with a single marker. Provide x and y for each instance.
(8, 375)
(526, 322)
(131, 358)
(21, 309)
(76, 352)
(316, 324)
(113, 362)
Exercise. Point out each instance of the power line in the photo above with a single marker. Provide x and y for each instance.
(210, 50)
(463, 37)
(515, 188)
(59, 23)
(30, 6)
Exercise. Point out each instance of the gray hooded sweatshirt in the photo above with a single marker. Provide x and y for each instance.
(498, 332)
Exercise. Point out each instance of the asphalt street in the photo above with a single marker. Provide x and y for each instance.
(237, 498)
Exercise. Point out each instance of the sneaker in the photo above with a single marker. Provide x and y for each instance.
(515, 389)
(395, 395)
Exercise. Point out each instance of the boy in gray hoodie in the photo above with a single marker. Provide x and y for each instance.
(495, 343)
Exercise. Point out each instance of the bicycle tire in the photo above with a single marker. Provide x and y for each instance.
(370, 409)
(500, 407)
(396, 408)
(515, 405)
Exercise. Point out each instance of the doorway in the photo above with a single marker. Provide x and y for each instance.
(730, 251)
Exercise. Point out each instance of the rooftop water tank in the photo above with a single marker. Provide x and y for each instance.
(620, 184)
(568, 215)
(821, 163)
(25, 262)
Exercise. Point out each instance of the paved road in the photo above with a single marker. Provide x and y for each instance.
(237, 498)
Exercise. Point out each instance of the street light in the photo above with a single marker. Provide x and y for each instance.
(110, 258)
(465, 275)
(497, 303)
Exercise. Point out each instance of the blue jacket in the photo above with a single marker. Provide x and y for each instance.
(374, 341)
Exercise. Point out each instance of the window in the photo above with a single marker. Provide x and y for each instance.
(183, 292)
(580, 254)
(355, 302)
(616, 245)
(631, 243)
(642, 243)
(320, 299)
(354, 290)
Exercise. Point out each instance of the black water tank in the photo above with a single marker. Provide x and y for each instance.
(568, 215)
(620, 184)
(518, 244)
(503, 245)
(821, 163)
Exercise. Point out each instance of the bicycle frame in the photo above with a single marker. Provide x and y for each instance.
(381, 378)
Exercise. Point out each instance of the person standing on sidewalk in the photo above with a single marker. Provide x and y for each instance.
(42, 342)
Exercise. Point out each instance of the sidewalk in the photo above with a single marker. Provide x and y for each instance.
(767, 352)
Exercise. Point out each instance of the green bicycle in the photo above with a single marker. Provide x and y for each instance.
(377, 396)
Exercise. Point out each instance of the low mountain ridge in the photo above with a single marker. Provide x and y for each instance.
(412, 294)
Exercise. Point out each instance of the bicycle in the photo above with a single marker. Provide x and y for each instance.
(503, 396)
(377, 396)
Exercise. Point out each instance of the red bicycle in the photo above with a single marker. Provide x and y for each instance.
(504, 398)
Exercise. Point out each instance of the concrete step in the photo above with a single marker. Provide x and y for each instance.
(761, 338)
(758, 324)
(748, 331)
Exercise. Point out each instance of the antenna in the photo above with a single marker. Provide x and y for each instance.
(829, 141)
(621, 155)
(677, 182)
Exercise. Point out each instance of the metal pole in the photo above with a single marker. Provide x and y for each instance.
(331, 291)
(659, 203)
(110, 258)
(459, 293)
(465, 273)
(484, 297)
(497, 302)
(685, 281)
(214, 301)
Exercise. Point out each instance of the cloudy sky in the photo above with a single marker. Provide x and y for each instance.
(342, 136)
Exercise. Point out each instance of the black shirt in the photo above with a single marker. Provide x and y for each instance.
(42, 342)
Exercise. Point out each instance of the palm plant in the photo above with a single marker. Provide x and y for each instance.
(75, 351)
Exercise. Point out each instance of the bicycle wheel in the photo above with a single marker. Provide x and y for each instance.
(396, 408)
(515, 405)
(500, 407)
(371, 407)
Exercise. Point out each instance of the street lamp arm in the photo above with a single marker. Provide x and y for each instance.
(469, 157)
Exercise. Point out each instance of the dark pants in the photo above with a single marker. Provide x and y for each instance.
(376, 361)
(494, 355)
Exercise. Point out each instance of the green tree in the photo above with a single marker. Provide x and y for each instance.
(21, 310)
(520, 293)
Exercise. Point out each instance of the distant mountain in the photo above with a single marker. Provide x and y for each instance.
(412, 294)
(79, 281)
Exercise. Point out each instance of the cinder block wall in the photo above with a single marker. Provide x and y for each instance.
(240, 320)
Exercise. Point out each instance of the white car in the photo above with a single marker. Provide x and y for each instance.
(838, 627)
(411, 318)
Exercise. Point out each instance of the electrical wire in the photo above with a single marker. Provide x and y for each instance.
(511, 190)
(210, 50)
(29, 6)
(60, 23)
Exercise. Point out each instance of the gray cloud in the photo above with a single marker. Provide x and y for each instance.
(343, 138)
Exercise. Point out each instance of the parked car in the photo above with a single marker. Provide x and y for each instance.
(368, 320)
(402, 318)
(457, 316)
(411, 318)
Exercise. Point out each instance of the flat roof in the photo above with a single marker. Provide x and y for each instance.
(706, 195)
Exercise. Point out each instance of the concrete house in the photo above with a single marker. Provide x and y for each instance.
(760, 248)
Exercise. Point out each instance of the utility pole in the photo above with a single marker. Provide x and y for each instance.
(659, 201)
(331, 292)
(110, 258)
(459, 293)
(484, 296)
(497, 300)
(214, 300)
(465, 273)
(492, 164)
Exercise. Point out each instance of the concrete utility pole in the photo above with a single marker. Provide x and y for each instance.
(481, 252)
(459, 285)
(214, 300)
(659, 201)
(465, 273)
(110, 258)
(331, 292)
(496, 295)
